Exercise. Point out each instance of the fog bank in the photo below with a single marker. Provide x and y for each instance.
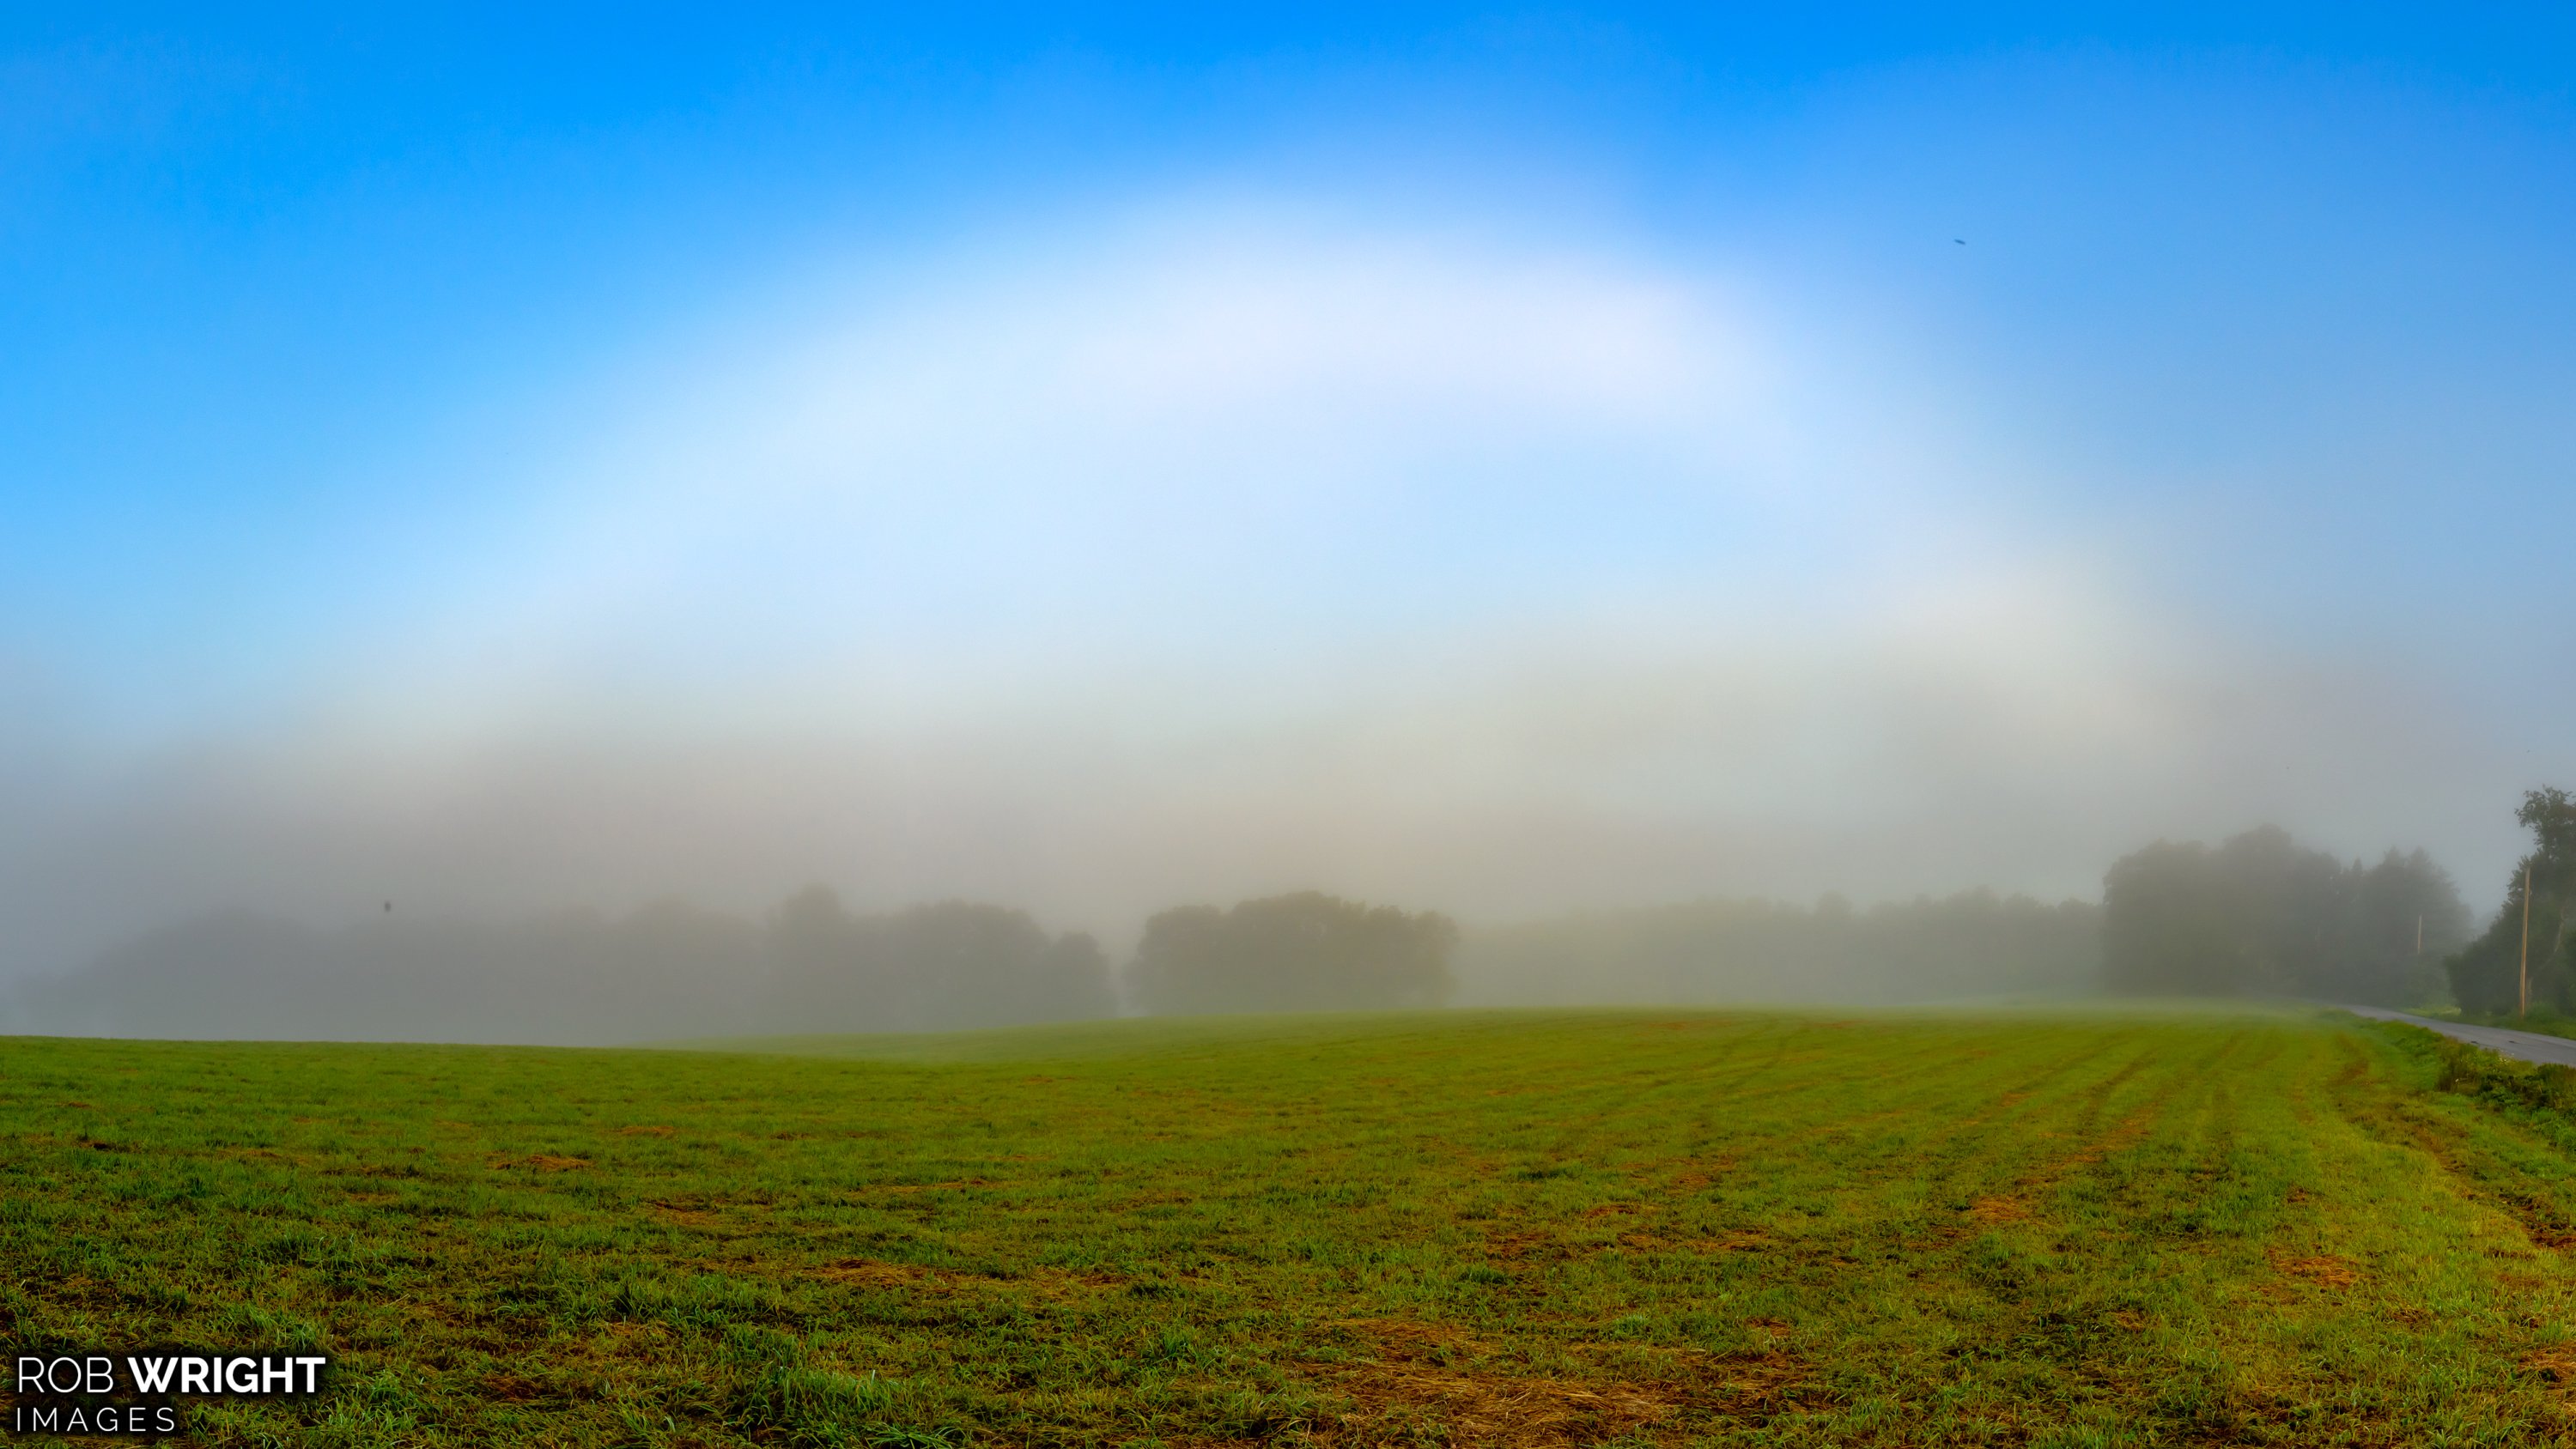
(1976, 944)
(664, 972)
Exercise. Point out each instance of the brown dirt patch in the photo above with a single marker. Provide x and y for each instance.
(1400, 1403)
(1431, 1383)
(648, 1131)
(2129, 1129)
(2556, 1365)
(1511, 1246)
(540, 1161)
(1698, 1173)
(871, 1273)
(967, 1182)
(2002, 1208)
(2322, 1269)
(1421, 1381)
(1055, 1284)
(1755, 1382)
(512, 1389)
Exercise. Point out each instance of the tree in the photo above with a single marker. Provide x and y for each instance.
(945, 966)
(967, 965)
(2167, 926)
(824, 974)
(2410, 918)
(1303, 952)
(2487, 974)
(2263, 915)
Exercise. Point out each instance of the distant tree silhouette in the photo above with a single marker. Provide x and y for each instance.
(951, 965)
(2262, 915)
(1303, 952)
(665, 971)
(2486, 974)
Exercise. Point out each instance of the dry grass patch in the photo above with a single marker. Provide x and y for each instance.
(1422, 1381)
(2325, 1270)
(543, 1162)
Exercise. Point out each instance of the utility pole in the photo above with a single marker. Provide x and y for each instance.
(2419, 933)
(2526, 938)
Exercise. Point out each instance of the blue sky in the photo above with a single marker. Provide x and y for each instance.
(1495, 459)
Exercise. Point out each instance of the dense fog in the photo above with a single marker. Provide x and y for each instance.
(1708, 508)
(666, 971)
(2257, 915)
(1976, 944)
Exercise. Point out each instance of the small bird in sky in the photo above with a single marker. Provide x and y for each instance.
(1962, 241)
(389, 908)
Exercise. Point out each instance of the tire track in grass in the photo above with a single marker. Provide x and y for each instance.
(2010, 1302)
(1994, 1106)
(1989, 1197)
(2429, 1276)
(2142, 1225)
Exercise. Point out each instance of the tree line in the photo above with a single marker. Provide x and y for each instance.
(2261, 915)
(2527, 939)
(672, 971)
(2257, 914)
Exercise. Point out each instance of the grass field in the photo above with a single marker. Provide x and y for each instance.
(2177, 1228)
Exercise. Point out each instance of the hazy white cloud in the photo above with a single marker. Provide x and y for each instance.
(1223, 443)
(1179, 429)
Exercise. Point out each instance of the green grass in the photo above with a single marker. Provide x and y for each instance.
(1618, 1228)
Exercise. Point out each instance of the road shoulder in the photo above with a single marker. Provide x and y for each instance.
(2522, 1046)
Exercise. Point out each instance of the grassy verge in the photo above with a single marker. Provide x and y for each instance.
(1616, 1228)
(2545, 1021)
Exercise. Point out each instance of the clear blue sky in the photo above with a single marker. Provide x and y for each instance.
(1499, 459)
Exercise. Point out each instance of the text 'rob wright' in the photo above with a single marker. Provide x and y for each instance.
(139, 1393)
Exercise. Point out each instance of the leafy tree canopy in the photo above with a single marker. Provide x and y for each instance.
(2487, 974)
(2261, 914)
(1303, 952)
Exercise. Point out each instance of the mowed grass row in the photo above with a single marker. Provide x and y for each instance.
(1461, 1229)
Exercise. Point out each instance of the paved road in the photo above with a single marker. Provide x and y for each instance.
(2529, 1046)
